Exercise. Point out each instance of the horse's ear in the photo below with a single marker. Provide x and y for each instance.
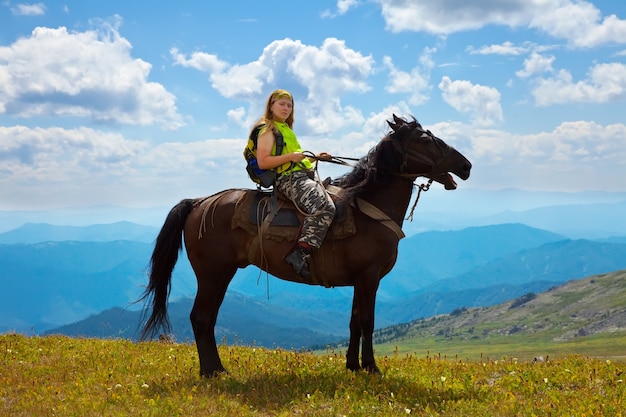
(395, 125)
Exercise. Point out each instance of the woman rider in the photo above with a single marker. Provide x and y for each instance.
(295, 178)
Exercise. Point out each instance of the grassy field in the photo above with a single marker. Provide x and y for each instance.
(524, 347)
(60, 376)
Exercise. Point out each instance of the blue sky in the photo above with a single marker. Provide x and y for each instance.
(137, 103)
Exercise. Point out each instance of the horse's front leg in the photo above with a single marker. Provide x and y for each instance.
(352, 356)
(366, 294)
(362, 327)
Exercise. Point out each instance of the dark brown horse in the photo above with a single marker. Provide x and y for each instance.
(216, 249)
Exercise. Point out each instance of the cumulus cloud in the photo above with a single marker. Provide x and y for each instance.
(536, 64)
(580, 23)
(416, 82)
(604, 83)
(574, 155)
(481, 102)
(316, 75)
(57, 154)
(91, 74)
(84, 166)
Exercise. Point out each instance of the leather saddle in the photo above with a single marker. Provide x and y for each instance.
(285, 219)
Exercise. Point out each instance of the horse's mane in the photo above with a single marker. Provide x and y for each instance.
(367, 170)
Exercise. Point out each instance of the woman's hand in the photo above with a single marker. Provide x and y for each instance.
(324, 156)
(296, 157)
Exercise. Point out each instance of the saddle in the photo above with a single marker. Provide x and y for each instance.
(254, 207)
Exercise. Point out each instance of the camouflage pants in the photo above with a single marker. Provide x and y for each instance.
(311, 198)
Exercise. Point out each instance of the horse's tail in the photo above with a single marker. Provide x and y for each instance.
(168, 245)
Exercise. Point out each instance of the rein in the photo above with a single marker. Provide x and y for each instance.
(339, 160)
(407, 154)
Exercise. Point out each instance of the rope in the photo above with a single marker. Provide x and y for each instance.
(422, 187)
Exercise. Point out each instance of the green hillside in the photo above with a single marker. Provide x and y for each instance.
(586, 316)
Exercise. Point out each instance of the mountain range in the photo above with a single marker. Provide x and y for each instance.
(76, 287)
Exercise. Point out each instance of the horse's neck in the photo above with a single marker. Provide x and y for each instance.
(392, 198)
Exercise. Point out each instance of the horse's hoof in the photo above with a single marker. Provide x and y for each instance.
(372, 370)
(353, 367)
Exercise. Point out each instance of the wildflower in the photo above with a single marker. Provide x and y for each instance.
(144, 385)
(407, 411)
(443, 379)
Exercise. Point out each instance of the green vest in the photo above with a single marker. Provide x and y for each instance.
(291, 145)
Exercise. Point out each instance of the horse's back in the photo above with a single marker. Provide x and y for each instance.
(208, 229)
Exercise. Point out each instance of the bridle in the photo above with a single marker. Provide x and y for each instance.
(409, 153)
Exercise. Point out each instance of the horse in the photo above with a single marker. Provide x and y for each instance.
(216, 249)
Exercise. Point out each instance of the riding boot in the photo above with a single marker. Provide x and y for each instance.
(299, 260)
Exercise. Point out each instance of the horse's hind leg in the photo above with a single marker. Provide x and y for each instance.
(211, 290)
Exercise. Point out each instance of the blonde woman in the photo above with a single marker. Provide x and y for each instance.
(294, 178)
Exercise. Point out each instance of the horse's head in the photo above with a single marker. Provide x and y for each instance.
(422, 154)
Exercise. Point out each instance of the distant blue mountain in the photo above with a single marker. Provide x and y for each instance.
(575, 220)
(50, 284)
(554, 262)
(54, 283)
(241, 320)
(42, 232)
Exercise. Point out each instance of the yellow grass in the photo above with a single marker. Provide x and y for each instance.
(60, 376)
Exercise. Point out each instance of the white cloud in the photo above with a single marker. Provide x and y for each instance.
(77, 167)
(23, 9)
(316, 75)
(574, 156)
(416, 82)
(505, 48)
(442, 17)
(580, 23)
(536, 64)
(604, 83)
(481, 102)
(198, 60)
(343, 6)
(84, 74)
(58, 155)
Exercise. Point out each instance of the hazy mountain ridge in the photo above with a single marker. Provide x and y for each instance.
(43, 232)
(64, 282)
(241, 320)
(549, 262)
